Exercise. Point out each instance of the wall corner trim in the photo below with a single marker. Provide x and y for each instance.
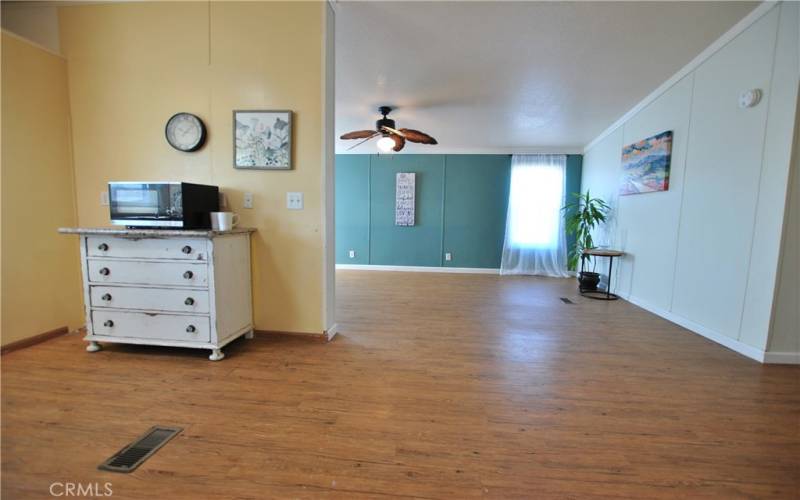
(695, 63)
(331, 332)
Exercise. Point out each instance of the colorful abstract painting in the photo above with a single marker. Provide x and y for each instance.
(645, 165)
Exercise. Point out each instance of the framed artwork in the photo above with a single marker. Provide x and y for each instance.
(405, 195)
(262, 140)
(645, 165)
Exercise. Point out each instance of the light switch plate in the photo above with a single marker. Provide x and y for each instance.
(294, 201)
(104, 198)
(248, 200)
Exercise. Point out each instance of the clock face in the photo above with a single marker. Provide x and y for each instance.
(185, 132)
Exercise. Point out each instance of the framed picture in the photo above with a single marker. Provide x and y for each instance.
(262, 140)
(645, 165)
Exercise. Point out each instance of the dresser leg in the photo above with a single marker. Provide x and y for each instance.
(216, 355)
(93, 347)
(250, 334)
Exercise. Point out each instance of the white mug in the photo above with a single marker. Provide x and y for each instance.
(224, 221)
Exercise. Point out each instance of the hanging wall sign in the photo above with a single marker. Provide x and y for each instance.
(405, 187)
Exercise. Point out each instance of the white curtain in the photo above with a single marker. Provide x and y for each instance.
(535, 242)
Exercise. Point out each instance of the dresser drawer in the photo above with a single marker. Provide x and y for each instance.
(150, 299)
(147, 273)
(151, 326)
(148, 248)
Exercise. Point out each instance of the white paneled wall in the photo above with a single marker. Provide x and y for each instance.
(705, 253)
(648, 223)
(721, 190)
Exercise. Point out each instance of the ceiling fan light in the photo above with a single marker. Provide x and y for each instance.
(385, 144)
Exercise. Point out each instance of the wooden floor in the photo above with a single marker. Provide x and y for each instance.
(439, 386)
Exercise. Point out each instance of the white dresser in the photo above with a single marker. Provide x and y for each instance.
(184, 288)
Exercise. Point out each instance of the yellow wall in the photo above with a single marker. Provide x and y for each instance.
(132, 65)
(40, 268)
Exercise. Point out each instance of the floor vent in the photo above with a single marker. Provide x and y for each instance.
(566, 300)
(130, 457)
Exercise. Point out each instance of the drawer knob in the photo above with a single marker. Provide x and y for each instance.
(191, 329)
(186, 249)
(188, 275)
(106, 297)
(102, 247)
(189, 301)
(105, 271)
(108, 323)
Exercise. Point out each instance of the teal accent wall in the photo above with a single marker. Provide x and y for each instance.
(475, 201)
(461, 204)
(573, 181)
(352, 208)
(418, 245)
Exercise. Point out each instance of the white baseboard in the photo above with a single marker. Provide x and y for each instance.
(418, 269)
(732, 344)
(782, 358)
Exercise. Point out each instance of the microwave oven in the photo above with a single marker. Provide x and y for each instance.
(176, 205)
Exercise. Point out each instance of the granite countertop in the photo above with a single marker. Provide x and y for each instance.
(153, 233)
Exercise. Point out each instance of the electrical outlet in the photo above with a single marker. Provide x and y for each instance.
(294, 201)
(248, 200)
(104, 198)
(351, 254)
(448, 256)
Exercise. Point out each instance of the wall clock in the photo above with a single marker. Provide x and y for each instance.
(185, 132)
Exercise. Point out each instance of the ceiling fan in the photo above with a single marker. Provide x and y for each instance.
(392, 139)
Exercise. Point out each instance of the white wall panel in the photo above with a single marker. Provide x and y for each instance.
(722, 176)
(647, 223)
(603, 179)
(772, 182)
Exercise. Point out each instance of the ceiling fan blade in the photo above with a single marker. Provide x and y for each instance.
(399, 142)
(374, 134)
(417, 136)
(358, 134)
(394, 131)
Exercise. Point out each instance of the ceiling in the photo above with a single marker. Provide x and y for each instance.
(512, 77)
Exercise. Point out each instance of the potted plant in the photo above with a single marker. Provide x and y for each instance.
(582, 216)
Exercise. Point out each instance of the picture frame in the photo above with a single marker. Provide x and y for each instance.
(646, 165)
(262, 139)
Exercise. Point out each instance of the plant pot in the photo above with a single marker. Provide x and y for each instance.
(588, 281)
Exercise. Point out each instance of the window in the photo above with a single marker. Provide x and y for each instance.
(537, 192)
